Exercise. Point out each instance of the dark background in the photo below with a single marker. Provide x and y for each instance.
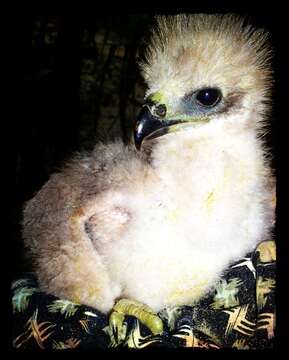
(78, 83)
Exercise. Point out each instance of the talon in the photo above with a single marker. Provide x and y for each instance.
(116, 322)
(267, 251)
(156, 325)
(142, 312)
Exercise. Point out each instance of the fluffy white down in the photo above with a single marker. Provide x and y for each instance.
(113, 224)
(202, 207)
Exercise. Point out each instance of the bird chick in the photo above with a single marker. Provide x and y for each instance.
(158, 225)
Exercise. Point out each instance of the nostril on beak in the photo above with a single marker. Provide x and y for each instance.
(160, 110)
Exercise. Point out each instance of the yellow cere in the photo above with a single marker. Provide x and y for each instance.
(157, 97)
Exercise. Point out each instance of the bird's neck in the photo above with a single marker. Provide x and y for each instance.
(182, 159)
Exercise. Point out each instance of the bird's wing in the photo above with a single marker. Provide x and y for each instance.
(66, 225)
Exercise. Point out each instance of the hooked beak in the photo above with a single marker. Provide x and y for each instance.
(150, 127)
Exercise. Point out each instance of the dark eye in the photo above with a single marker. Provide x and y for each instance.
(209, 97)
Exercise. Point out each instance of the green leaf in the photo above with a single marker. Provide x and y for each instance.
(264, 287)
(65, 307)
(20, 299)
(226, 294)
(19, 282)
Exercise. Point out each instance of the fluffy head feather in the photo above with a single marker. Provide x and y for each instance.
(188, 52)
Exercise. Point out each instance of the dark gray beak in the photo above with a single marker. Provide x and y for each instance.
(150, 127)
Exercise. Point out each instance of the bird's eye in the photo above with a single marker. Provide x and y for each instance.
(208, 97)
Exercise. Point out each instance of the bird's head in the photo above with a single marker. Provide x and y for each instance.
(203, 72)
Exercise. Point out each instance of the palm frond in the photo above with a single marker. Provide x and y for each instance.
(226, 294)
(19, 282)
(20, 299)
(34, 330)
(68, 344)
(263, 288)
(65, 307)
(136, 341)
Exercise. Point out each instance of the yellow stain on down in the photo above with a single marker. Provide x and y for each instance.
(193, 292)
(210, 200)
(173, 215)
(216, 194)
(77, 291)
(274, 200)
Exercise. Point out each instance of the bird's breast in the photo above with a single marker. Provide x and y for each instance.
(164, 256)
(182, 231)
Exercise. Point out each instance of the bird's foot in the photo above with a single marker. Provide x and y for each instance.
(133, 308)
(267, 251)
